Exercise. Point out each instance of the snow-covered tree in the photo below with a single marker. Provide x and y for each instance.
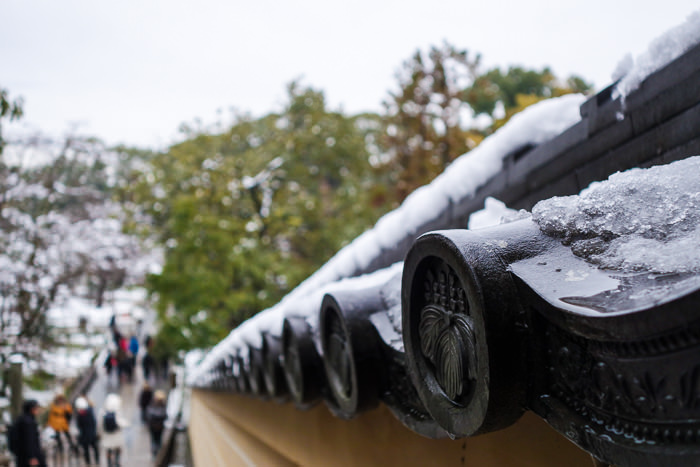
(60, 233)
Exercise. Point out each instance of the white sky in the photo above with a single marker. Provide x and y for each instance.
(132, 71)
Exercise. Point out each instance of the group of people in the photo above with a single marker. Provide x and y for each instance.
(95, 431)
(113, 424)
(122, 358)
(26, 442)
(153, 414)
(105, 431)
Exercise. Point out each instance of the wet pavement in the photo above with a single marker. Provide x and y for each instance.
(137, 450)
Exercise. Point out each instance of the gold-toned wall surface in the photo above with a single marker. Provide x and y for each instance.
(234, 430)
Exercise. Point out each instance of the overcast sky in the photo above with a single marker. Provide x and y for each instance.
(132, 71)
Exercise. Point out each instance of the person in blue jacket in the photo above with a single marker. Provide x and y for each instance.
(133, 350)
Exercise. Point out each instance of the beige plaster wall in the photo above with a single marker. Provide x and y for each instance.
(234, 430)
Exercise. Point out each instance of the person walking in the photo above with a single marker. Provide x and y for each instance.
(110, 364)
(164, 367)
(116, 336)
(123, 368)
(156, 414)
(111, 429)
(123, 343)
(60, 413)
(27, 445)
(133, 353)
(134, 348)
(147, 365)
(87, 430)
(145, 399)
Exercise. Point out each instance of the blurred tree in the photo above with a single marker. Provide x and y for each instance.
(430, 121)
(10, 110)
(427, 120)
(501, 95)
(247, 214)
(60, 235)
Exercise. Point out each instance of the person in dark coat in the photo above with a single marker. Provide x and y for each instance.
(29, 452)
(116, 336)
(156, 414)
(147, 364)
(123, 365)
(145, 399)
(164, 367)
(87, 429)
(111, 364)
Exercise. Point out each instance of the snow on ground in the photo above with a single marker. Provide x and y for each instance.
(120, 302)
(67, 362)
(69, 313)
(662, 50)
(80, 345)
(638, 220)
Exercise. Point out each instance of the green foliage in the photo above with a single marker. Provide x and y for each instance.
(247, 214)
(424, 119)
(39, 380)
(430, 120)
(495, 88)
(10, 110)
(244, 215)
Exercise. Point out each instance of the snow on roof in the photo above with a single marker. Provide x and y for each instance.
(661, 51)
(495, 212)
(306, 306)
(535, 125)
(639, 220)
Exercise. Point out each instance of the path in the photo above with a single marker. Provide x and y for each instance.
(138, 450)
(138, 444)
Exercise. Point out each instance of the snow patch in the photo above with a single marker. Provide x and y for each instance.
(495, 212)
(662, 50)
(638, 220)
